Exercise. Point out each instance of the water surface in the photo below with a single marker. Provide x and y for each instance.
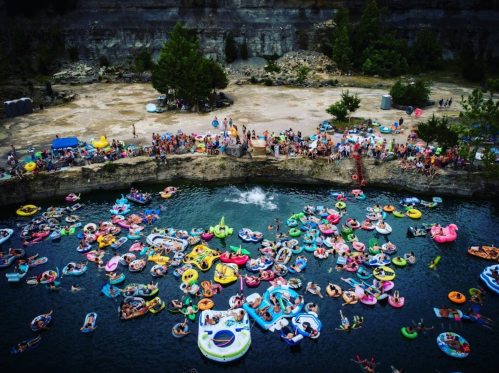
(147, 343)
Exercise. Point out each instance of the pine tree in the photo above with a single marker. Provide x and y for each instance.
(182, 71)
(218, 76)
(368, 30)
(230, 48)
(244, 51)
(342, 52)
(426, 130)
(426, 53)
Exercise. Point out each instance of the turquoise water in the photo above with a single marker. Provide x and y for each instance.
(147, 343)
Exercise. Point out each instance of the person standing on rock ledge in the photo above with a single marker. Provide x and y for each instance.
(133, 130)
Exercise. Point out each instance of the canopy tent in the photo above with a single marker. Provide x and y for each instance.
(64, 143)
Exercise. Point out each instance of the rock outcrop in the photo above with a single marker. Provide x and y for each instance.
(120, 29)
(232, 170)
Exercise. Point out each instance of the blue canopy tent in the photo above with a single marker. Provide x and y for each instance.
(64, 143)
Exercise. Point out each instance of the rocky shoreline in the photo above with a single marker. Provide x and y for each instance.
(202, 168)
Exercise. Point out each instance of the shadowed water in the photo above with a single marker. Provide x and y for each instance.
(147, 343)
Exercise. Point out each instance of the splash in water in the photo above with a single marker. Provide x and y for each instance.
(255, 196)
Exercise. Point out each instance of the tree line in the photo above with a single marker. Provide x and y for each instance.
(369, 46)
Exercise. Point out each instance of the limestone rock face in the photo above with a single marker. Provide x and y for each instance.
(202, 167)
(120, 29)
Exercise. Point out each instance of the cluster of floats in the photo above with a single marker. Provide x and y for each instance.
(225, 335)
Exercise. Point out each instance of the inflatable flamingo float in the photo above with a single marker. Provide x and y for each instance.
(445, 234)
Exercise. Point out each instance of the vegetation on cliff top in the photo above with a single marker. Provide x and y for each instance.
(369, 46)
(182, 71)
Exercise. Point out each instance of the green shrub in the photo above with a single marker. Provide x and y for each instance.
(253, 80)
(143, 62)
(244, 51)
(45, 58)
(416, 94)
(73, 53)
(110, 167)
(302, 73)
(268, 81)
(230, 48)
(272, 67)
(339, 110)
(103, 61)
(48, 88)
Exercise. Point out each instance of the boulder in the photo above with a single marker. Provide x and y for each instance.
(182, 150)
(234, 150)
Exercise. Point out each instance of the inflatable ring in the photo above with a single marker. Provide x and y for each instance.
(207, 291)
(165, 195)
(186, 329)
(399, 262)
(473, 292)
(293, 232)
(233, 131)
(330, 290)
(414, 214)
(194, 288)
(355, 177)
(190, 275)
(340, 205)
(30, 166)
(408, 335)
(205, 304)
(22, 211)
(388, 208)
(459, 300)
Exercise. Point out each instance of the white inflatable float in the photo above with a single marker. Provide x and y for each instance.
(225, 341)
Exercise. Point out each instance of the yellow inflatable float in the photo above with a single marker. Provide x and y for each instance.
(159, 259)
(165, 195)
(106, 240)
(30, 166)
(233, 131)
(27, 210)
(226, 273)
(190, 275)
(100, 144)
(202, 257)
(414, 214)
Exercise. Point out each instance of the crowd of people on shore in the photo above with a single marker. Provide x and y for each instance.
(334, 146)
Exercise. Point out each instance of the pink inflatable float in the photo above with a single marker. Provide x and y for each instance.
(444, 234)
(333, 219)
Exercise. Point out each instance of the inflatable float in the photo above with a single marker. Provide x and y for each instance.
(221, 230)
(460, 353)
(227, 340)
(285, 296)
(444, 234)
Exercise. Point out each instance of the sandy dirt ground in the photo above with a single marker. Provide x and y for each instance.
(111, 109)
